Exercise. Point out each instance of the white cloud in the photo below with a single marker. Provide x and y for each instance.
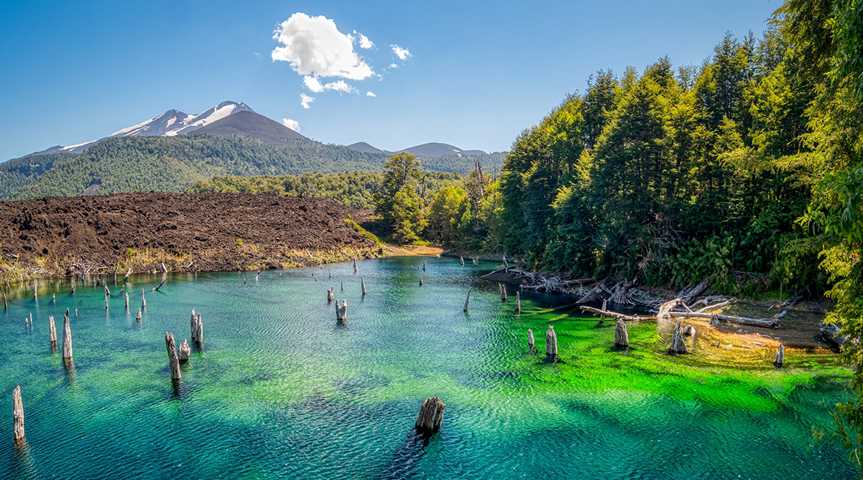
(315, 46)
(291, 123)
(402, 53)
(306, 101)
(392, 65)
(371, 94)
(365, 43)
(315, 86)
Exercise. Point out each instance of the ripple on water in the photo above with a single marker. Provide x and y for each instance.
(280, 391)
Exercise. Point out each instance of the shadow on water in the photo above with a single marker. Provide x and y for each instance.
(405, 460)
(23, 465)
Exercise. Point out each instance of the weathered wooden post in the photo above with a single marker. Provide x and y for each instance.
(52, 333)
(461, 260)
(621, 335)
(551, 345)
(342, 312)
(517, 302)
(143, 300)
(107, 296)
(139, 316)
(185, 352)
(678, 345)
(173, 359)
(67, 341)
(467, 300)
(126, 298)
(430, 416)
(780, 356)
(17, 416)
(331, 295)
(197, 327)
(28, 321)
(502, 288)
(531, 341)
(363, 286)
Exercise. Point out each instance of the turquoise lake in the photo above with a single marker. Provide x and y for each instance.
(281, 391)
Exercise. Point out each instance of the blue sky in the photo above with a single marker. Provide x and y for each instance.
(478, 74)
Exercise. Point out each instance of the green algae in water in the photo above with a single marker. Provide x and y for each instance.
(281, 391)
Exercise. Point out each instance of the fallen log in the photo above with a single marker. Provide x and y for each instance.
(622, 316)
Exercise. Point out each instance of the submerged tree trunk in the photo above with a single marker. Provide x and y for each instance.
(621, 335)
(779, 361)
(52, 333)
(678, 345)
(173, 359)
(67, 341)
(18, 416)
(551, 345)
(430, 416)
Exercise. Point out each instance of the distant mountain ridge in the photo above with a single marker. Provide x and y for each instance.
(173, 150)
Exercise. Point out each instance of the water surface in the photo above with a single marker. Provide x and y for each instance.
(282, 392)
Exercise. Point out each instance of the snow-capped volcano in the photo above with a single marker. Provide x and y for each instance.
(169, 124)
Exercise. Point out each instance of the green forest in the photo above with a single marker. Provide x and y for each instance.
(746, 170)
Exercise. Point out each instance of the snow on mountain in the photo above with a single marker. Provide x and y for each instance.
(171, 123)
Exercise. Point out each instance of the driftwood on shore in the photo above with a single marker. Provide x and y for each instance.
(430, 416)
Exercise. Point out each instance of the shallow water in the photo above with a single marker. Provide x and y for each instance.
(281, 391)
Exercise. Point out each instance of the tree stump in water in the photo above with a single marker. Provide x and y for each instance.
(517, 302)
(35, 291)
(67, 341)
(502, 289)
(424, 266)
(551, 345)
(197, 330)
(185, 352)
(5, 302)
(363, 286)
(52, 333)
(467, 300)
(331, 295)
(173, 359)
(678, 345)
(53, 299)
(779, 361)
(342, 286)
(143, 300)
(430, 416)
(126, 299)
(421, 280)
(531, 341)
(342, 313)
(355, 266)
(107, 297)
(28, 322)
(17, 416)
(621, 335)
(461, 260)
(139, 317)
